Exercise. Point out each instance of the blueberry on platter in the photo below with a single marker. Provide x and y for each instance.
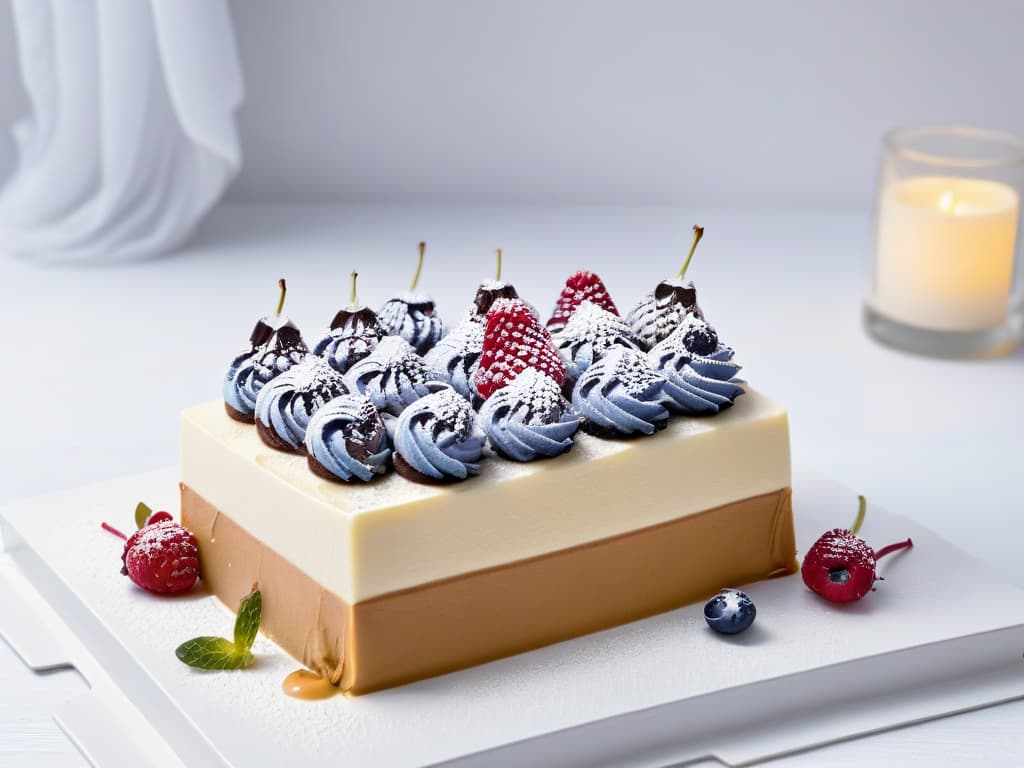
(730, 612)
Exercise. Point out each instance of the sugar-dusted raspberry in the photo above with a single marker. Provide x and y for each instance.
(163, 558)
(579, 287)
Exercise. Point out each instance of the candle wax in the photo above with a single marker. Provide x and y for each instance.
(945, 252)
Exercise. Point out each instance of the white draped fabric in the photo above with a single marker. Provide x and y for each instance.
(131, 135)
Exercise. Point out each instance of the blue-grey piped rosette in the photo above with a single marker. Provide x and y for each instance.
(529, 418)
(455, 357)
(587, 337)
(413, 317)
(703, 384)
(346, 440)
(437, 439)
(661, 311)
(273, 350)
(350, 340)
(286, 404)
(393, 376)
(621, 395)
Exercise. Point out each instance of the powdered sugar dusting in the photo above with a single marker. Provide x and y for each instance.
(634, 372)
(160, 538)
(839, 547)
(582, 286)
(313, 374)
(539, 395)
(590, 324)
(447, 409)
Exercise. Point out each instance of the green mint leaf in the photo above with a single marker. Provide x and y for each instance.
(213, 653)
(248, 622)
(221, 653)
(142, 514)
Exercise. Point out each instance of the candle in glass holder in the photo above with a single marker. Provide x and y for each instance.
(947, 278)
(945, 252)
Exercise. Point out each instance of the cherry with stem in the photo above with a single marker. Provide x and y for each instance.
(419, 268)
(280, 301)
(698, 233)
(111, 529)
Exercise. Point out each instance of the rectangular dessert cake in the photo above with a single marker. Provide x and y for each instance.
(414, 499)
(382, 583)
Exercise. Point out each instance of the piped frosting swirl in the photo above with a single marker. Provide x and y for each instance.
(275, 346)
(663, 310)
(285, 405)
(353, 335)
(621, 395)
(393, 376)
(529, 418)
(241, 385)
(588, 335)
(346, 440)
(701, 384)
(455, 358)
(413, 317)
(437, 439)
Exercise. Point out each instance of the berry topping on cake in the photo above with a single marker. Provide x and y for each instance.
(285, 406)
(699, 385)
(840, 566)
(354, 334)
(621, 395)
(275, 345)
(587, 337)
(412, 315)
(455, 358)
(346, 440)
(393, 376)
(514, 340)
(730, 612)
(699, 337)
(437, 439)
(529, 418)
(663, 310)
(162, 557)
(580, 287)
(490, 291)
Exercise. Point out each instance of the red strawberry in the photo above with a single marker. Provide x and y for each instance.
(513, 341)
(162, 557)
(841, 567)
(581, 286)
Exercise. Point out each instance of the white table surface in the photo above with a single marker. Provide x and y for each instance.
(98, 362)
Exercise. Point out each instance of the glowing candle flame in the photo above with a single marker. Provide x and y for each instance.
(949, 204)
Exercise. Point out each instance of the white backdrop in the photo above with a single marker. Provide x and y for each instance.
(775, 103)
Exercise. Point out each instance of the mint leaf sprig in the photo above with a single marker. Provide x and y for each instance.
(219, 652)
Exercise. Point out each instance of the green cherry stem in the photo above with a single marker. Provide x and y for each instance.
(280, 302)
(698, 233)
(353, 296)
(419, 268)
(861, 511)
(893, 548)
(497, 277)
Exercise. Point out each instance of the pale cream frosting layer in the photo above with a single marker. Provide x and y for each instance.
(365, 540)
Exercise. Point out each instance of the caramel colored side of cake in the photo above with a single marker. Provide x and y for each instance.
(475, 617)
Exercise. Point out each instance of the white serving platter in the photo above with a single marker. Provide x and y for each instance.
(942, 634)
